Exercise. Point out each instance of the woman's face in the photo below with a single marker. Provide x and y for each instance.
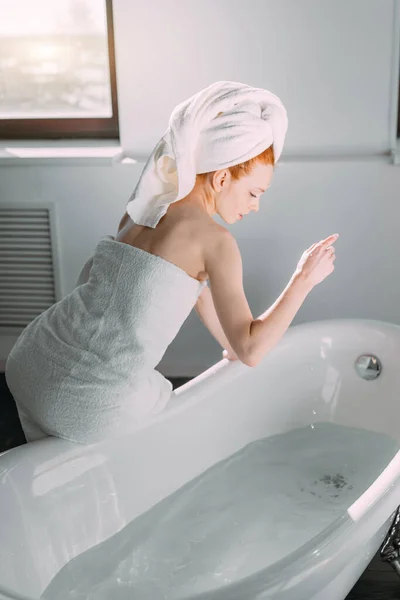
(238, 197)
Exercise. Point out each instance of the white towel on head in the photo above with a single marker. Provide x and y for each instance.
(223, 125)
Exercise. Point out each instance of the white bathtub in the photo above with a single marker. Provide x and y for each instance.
(59, 499)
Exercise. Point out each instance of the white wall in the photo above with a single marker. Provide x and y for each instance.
(331, 63)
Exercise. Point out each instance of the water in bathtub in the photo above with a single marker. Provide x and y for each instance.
(238, 517)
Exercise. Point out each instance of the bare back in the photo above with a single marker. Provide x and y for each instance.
(180, 237)
(193, 241)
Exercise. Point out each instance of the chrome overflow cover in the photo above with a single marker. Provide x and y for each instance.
(368, 366)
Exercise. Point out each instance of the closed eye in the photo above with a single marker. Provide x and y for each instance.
(254, 196)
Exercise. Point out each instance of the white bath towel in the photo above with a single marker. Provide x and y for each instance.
(84, 369)
(223, 125)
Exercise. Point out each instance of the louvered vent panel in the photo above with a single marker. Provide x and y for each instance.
(26, 265)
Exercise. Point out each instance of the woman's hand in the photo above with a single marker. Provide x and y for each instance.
(317, 261)
(229, 354)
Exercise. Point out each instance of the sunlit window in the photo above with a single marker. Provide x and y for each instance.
(57, 69)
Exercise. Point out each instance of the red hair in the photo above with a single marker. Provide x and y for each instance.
(237, 171)
(265, 158)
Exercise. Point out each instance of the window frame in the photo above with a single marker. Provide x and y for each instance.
(72, 128)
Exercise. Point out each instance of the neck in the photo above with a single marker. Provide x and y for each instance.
(197, 201)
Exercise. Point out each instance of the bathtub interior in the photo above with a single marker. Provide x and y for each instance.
(62, 500)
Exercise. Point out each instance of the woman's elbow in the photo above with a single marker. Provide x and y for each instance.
(250, 361)
(248, 354)
(248, 358)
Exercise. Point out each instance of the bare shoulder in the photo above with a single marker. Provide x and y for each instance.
(221, 249)
(192, 241)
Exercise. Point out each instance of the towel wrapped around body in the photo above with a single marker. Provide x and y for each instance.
(84, 370)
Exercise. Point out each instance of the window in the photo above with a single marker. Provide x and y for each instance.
(57, 70)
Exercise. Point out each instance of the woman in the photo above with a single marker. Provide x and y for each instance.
(84, 370)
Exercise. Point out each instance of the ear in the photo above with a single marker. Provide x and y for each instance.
(220, 179)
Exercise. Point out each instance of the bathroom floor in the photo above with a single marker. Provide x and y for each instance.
(378, 582)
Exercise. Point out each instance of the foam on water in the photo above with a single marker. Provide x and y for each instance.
(238, 517)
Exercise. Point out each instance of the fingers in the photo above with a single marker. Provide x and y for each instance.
(320, 252)
(329, 240)
(311, 247)
(323, 245)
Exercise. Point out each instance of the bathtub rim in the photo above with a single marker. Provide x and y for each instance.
(186, 397)
(343, 528)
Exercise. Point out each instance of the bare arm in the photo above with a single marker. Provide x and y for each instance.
(252, 338)
(206, 310)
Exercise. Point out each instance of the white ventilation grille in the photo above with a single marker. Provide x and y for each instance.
(26, 265)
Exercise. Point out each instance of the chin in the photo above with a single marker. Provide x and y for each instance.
(229, 219)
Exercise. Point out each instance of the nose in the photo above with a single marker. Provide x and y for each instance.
(255, 206)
